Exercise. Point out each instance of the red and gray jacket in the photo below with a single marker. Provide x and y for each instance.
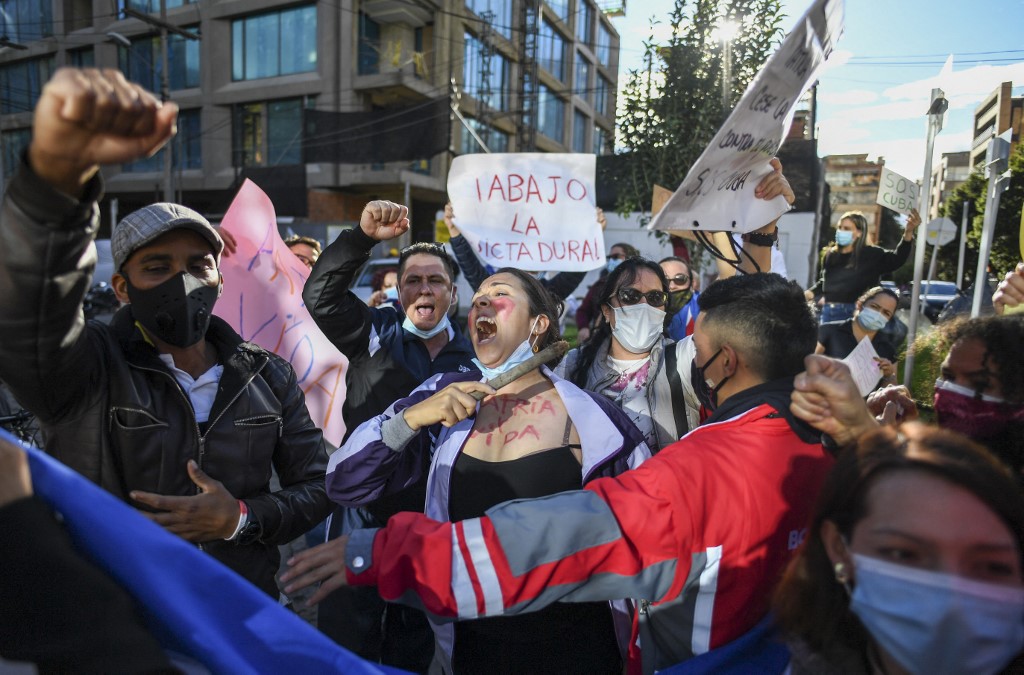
(699, 534)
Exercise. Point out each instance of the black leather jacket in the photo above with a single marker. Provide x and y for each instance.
(112, 410)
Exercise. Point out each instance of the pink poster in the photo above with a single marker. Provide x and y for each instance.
(262, 300)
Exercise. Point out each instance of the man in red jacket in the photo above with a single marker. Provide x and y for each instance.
(699, 534)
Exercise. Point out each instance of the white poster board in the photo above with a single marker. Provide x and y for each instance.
(534, 211)
(863, 364)
(896, 192)
(718, 191)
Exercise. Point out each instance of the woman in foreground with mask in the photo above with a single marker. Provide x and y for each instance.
(851, 265)
(537, 436)
(629, 360)
(872, 311)
(912, 563)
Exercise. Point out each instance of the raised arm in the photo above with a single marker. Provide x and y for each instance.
(341, 315)
(48, 220)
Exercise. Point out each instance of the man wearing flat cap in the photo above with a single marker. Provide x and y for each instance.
(166, 407)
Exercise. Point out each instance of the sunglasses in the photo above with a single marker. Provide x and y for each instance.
(631, 296)
(679, 279)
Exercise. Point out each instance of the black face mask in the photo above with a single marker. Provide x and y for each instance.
(177, 311)
(707, 396)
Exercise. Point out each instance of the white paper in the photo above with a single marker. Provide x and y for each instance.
(718, 191)
(534, 211)
(896, 192)
(863, 366)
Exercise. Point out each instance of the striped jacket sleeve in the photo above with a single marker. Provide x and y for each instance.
(617, 538)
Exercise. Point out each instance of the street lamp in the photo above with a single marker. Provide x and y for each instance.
(726, 32)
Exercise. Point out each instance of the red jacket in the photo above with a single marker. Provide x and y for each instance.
(699, 533)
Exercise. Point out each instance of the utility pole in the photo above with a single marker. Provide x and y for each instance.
(963, 246)
(935, 113)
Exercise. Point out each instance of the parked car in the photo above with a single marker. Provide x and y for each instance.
(935, 296)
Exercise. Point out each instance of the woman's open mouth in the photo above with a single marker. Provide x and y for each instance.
(486, 329)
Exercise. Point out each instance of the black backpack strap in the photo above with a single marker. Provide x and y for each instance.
(675, 384)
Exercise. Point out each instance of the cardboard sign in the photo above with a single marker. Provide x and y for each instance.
(896, 192)
(534, 211)
(262, 301)
(718, 191)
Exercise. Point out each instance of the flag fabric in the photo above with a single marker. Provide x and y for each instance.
(192, 603)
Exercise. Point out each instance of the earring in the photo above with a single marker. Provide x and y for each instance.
(842, 575)
(536, 347)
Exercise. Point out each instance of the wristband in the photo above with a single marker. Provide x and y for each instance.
(762, 238)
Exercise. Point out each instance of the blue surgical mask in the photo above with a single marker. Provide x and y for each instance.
(612, 263)
(391, 293)
(844, 237)
(522, 352)
(937, 623)
(871, 319)
(442, 325)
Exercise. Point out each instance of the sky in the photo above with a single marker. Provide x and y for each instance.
(874, 94)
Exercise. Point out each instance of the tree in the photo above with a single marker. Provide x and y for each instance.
(1006, 251)
(672, 108)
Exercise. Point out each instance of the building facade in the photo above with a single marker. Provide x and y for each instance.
(853, 186)
(949, 174)
(998, 112)
(244, 72)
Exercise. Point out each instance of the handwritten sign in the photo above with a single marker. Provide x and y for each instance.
(896, 192)
(718, 191)
(535, 211)
(262, 301)
(863, 366)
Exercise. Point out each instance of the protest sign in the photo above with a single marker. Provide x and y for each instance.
(262, 301)
(535, 211)
(718, 191)
(896, 192)
(863, 364)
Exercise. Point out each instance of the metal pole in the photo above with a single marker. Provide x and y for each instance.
(165, 95)
(963, 247)
(998, 180)
(932, 265)
(935, 113)
(726, 71)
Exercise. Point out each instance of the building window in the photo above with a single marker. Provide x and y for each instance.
(268, 133)
(22, 82)
(581, 85)
(600, 141)
(579, 131)
(369, 46)
(497, 141)
(268, 45)
(26, 20)
(551, 114)
(561, 8)
(502, 10)
(142, 63)
(601, 95)
(82, 58)
(584, 17)
(187, 153)
(14, 142)
(150, 6)
(551, 50)
(604, 45)
(473, 80)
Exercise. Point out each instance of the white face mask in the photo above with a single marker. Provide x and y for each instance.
(442, 325)
(937, 623)
(638, 327)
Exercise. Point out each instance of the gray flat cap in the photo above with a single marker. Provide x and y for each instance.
(140, 227)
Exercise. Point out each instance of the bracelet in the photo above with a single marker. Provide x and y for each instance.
(762, 238)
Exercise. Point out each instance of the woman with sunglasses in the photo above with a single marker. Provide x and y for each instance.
(629, 360)
(588, 314)
(537, 436)
(682, 298)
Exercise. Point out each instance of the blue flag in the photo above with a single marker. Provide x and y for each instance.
(192, 603)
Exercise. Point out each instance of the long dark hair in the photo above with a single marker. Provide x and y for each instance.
(625, 274)
(541, 301)
(809, 603)
(861, 223)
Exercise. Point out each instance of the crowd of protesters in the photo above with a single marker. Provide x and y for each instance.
(699, 482)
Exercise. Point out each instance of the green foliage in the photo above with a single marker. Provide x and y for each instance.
(672, 108)
(1005, 242)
